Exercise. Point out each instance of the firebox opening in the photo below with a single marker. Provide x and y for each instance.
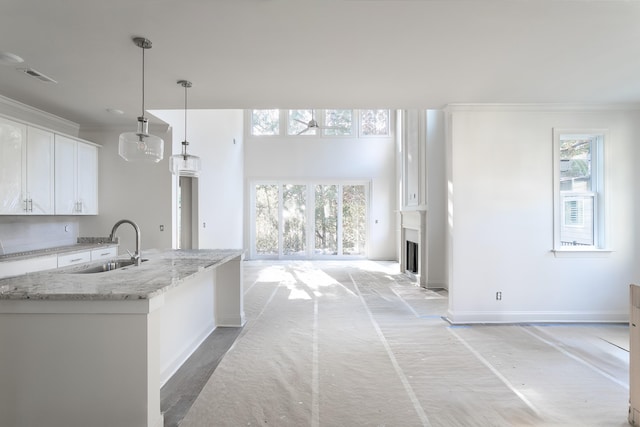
(412, 257)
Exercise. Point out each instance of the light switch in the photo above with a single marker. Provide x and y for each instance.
(161, 227)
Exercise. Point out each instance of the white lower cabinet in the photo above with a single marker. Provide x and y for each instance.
(24, 266)
(74, 258)
(104, 253)
(30, 265)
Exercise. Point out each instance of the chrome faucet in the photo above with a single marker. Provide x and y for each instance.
(136, 256)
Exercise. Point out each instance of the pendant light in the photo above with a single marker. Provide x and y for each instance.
(185, 164)
(140, 146)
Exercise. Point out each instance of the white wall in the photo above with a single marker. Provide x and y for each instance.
(216, 136)
(501, 217)
(218, 140)
(140, 192)
(311, 159)
(436, 199)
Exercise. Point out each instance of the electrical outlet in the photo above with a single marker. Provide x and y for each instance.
(499, 296)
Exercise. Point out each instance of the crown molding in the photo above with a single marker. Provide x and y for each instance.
(541, 107)
(31, 115)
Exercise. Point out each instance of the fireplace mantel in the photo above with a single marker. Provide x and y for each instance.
(413, 228)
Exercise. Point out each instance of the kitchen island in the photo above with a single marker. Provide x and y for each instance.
(93, 349)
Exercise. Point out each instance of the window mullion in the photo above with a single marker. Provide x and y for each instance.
(339, 220)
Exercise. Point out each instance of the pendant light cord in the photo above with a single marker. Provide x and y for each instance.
(143, 49)
(184, 144)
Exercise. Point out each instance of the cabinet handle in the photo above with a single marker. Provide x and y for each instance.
(26, 205)
(105, 253)
(30, 205)
(76, 260)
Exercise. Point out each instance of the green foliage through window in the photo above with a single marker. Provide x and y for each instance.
(265, 122)
(374, 122)
(267, 208)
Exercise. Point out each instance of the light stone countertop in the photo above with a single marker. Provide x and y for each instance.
(163, 270)
(78, 247)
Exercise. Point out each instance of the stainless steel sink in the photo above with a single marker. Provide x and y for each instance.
(107, 266)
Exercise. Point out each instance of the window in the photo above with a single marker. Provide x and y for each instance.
(266, 219)
(265, 122)
(298, 121)
(338, 122)
(312, 220)
(330, 123)
(374, 122)
(579, 191)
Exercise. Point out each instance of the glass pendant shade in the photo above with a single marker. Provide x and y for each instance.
(140, 146)
(185, 164)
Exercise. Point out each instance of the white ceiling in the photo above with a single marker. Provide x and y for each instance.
(318, 53)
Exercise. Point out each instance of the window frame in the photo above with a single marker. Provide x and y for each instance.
(599, 191)
(355, 115)
(320, 116)
(310, 219)
(249, 121)
(389, 127)
(287, 122)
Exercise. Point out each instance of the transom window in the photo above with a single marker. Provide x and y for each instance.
(579, 190)
(323, 123)
(265, 122)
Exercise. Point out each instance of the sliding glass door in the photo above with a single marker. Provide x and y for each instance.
(309, 220)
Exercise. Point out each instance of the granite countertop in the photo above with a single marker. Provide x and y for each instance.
(78, 247)
(162, 271)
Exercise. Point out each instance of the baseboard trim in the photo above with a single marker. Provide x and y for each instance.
(497, 317)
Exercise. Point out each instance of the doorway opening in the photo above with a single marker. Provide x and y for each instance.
(187, 230)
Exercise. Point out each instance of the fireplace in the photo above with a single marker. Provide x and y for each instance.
(412, 257)
(413, 244)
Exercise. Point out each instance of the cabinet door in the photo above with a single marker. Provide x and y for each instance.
(74, 258)
(24, 266)
(104, 253)
(65, 175)
(12, 167)
(87, 181)
(40, 171)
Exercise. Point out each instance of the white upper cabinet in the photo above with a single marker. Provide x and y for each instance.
(76, 177)
(40, 171)
(87, 178)
(26, 169)
(13, 140)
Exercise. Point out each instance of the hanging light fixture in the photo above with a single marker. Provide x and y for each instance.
(140, 146)
(185, 164)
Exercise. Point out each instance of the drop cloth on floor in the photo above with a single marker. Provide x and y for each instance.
(333, 344)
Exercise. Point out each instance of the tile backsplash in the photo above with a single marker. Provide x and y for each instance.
(28, 233)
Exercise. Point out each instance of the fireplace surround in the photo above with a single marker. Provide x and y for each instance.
(413, 244)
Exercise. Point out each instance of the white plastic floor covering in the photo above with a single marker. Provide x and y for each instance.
(357, 344)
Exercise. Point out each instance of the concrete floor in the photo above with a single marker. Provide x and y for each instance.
(332, 344)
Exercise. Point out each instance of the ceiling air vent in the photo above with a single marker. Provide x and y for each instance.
(38, 75)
